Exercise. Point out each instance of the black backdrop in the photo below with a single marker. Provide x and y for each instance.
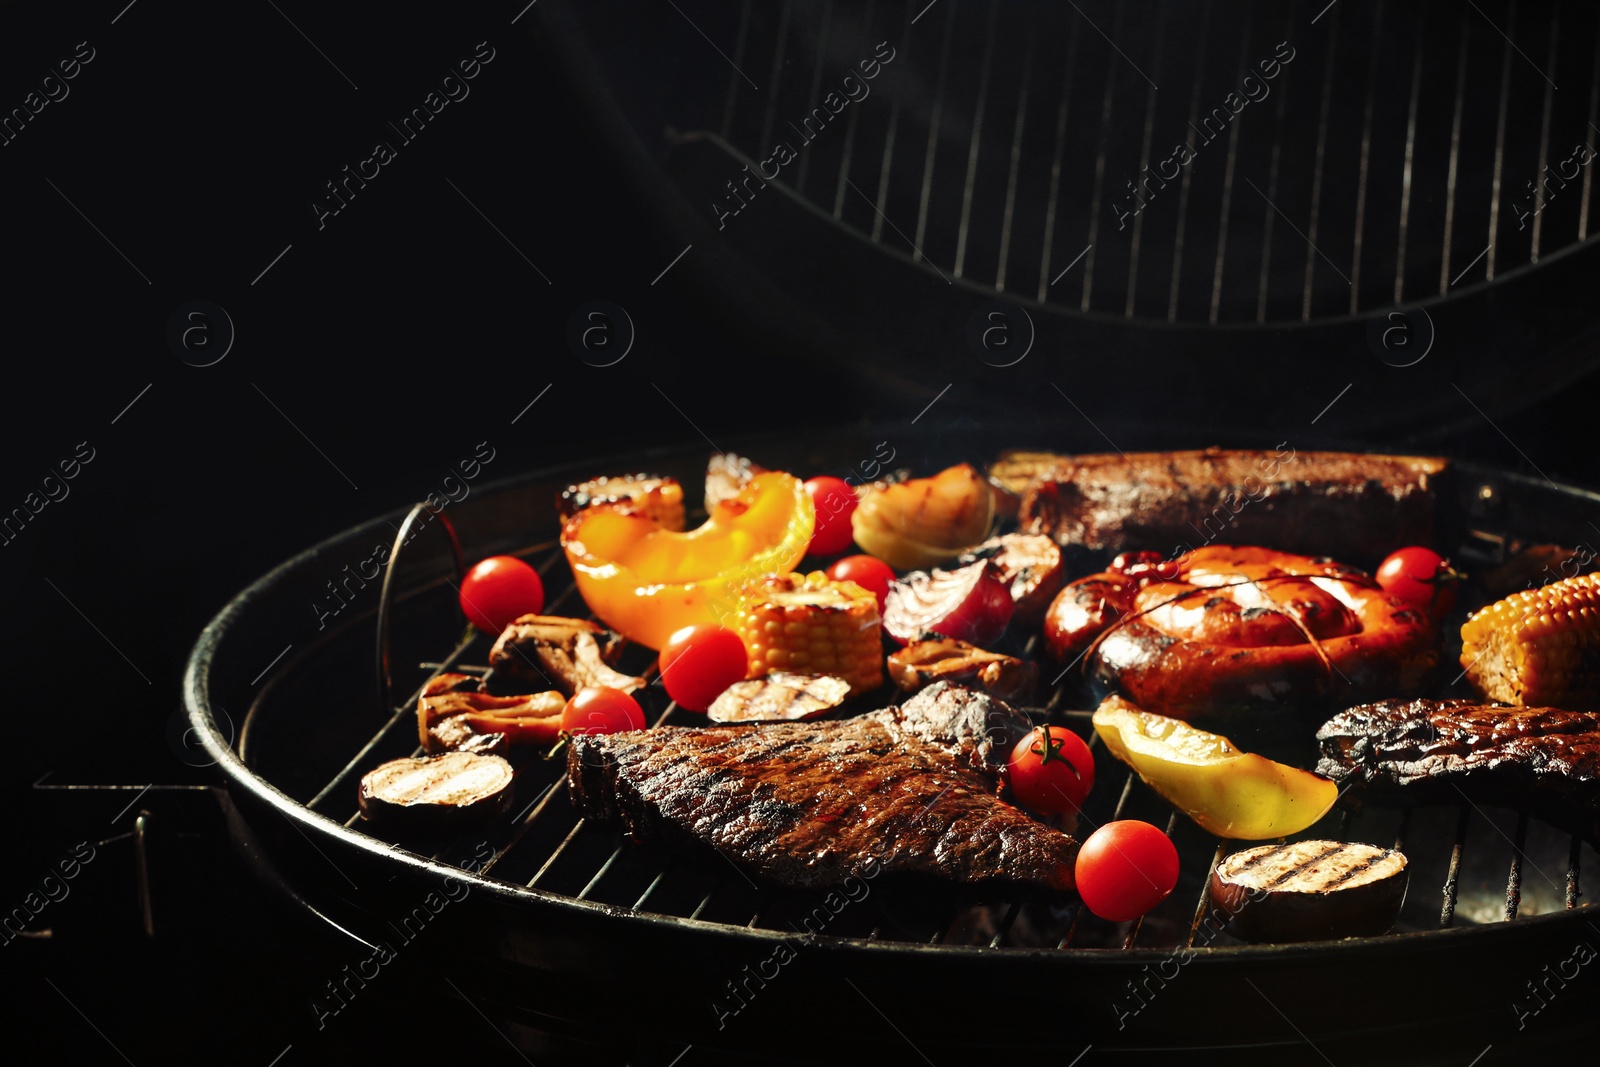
(375, 352)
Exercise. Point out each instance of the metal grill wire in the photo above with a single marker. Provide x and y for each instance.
(547, 846)
(1394, 152)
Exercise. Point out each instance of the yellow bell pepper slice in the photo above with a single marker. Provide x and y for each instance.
(1231, 793)
(646, 581)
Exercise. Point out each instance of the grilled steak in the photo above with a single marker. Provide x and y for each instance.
(1345, 505)
(1437, 751)
(908, 791)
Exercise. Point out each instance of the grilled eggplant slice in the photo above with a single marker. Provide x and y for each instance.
(658, 497)
(779, 697)
(1310, 890)
(1030, 567)
(944, 659)
(561, 653)
(437, 794)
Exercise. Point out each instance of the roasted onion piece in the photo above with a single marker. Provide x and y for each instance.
(1029, 565)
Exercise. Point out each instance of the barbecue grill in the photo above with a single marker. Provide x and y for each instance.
(1365, 211)
(547, 921)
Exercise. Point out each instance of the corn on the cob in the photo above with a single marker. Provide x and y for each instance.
(808, 624)
(1540, 647)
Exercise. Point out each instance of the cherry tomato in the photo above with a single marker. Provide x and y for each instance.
(869, 572)
(835, 502)
(1125, 869)
(498, 590)
(699, 662)
(600, 709)
(1051, 770)
(1422, 578)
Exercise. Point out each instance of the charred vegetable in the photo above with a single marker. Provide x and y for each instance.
(921, 663)
(452, 714)
(779, 697)
(1540, 646)
(969, 604)
(437, 794)
(810, 624)
(659, 498)
(647, 582)
(924, 521)
(1029, 566)
(1231, 793)
(568, 654)
(1310, 890)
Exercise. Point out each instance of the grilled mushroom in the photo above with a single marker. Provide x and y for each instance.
(944, 659)
(567, 654)
(779, 697)
(450, 716)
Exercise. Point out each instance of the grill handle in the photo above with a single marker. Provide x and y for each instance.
(408, 529)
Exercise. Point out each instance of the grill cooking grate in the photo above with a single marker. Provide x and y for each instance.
(1397, 152)
(547, 846)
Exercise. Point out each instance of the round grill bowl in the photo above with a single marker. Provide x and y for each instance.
(574, 932)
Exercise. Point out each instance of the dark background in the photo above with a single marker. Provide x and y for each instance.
(369, 359)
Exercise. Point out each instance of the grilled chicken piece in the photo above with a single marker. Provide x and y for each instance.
(1310, 890)
(1438, 751)
(726, 474)
(943, 659)
(566, 654)
(908, 792)
(1029, 565)
(439, 794)
(779, 697)
(659, 498)
(453, 714)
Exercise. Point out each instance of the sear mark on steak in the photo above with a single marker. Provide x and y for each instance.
(910, 791)
(1545, 760)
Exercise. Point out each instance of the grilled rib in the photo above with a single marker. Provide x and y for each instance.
(907, 791)
(1440, 751)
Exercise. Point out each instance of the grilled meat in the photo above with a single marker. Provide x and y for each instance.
(453, 713)
(921, 663)
(1441, 751)
(1310, 890)
(560, 653)
(659, 498)
(438, 794)
(779, 697)
(1350, 506)
(1030, 567)
(908, 791)
(1225, 628)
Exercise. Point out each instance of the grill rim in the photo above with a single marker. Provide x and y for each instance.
(197, 702)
